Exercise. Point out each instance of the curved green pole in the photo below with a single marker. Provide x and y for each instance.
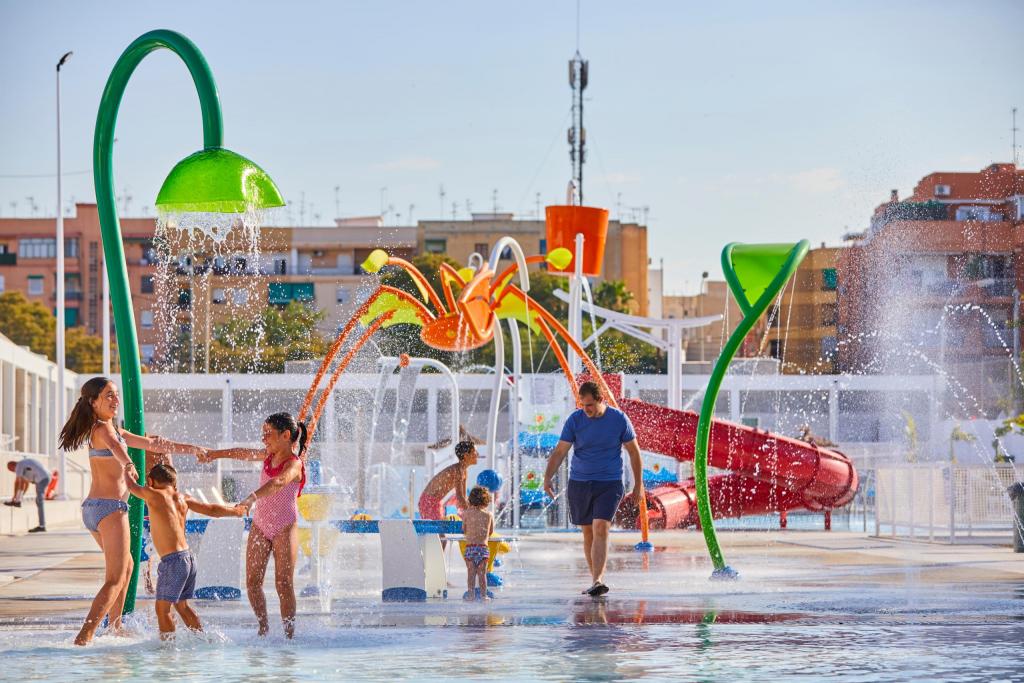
(110, 227)
(751, 313)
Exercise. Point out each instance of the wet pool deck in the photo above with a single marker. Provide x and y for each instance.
(50, 578)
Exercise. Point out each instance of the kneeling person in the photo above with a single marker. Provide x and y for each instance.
(176, 574)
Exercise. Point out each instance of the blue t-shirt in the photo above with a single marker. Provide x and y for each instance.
(597, 444)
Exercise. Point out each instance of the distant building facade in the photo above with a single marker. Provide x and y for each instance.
(934, 283)
(625, 254)
(803, 330)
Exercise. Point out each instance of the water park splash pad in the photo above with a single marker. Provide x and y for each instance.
(844, 604)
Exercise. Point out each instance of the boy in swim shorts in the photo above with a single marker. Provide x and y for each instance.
(477, 527)
(176, 574)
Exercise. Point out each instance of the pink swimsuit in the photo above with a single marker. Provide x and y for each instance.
(279, 511)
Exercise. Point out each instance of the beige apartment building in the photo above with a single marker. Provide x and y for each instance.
(182, 301)
(802, 333)
(704, 344)
(625, 255)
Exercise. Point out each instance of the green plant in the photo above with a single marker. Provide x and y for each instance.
(958, 436)
(910, 434)
(1011, 425)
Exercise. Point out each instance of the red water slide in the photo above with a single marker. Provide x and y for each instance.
(768, 473)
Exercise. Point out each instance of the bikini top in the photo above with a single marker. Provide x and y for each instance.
(105, 452)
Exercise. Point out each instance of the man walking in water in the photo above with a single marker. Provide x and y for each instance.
(597, 434)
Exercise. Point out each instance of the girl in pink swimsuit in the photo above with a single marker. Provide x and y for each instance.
(274, 529)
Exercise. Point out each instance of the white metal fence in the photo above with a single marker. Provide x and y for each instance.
(946, 502)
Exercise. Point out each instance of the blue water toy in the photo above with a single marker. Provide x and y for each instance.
(490, 480)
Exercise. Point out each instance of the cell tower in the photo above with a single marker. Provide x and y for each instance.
(577, 133)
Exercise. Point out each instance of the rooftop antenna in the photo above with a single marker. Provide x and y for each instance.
(494, 201)
(302, 209)
(14, 208)
(337, 201)
(409, 215)
(537, 201)
(469, 207)
(578, 72)
(440, 193)
(384, 203)
(455, 210)
(1013, 133)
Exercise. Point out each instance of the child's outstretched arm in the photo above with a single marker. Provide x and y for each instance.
(133, 485)
(214, 510)
(233, 454)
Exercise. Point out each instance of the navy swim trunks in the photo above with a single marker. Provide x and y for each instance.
(176, 576)
(590, 500)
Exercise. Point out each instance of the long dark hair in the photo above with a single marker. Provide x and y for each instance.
(296, 429)
(82, 419)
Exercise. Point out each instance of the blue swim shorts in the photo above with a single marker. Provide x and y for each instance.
(94, 510)
(477, 553)
(590, 500)
(176, 576)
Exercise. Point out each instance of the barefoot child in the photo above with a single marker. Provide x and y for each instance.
(432, 500)
(176, 574)
(477, 527)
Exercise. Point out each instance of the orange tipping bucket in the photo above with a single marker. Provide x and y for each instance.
(564, 222)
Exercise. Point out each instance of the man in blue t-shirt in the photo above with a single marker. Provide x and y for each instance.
(597, 434)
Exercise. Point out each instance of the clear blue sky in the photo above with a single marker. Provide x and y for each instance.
(751, 122)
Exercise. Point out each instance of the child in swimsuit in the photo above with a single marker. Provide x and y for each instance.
(176, 574)
(451, 478)
(274, 522)
(477, 526)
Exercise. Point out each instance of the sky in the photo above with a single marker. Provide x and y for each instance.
(721, 122)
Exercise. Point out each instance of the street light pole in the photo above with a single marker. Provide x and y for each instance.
(62, 399)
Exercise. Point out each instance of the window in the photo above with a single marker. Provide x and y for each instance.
(37, 247)
(146, 286)
(774, 348)
(218, 296)
(481, 248)
(280, 266)
(2, 284)
(35, 285)
(70, 247)
(829, 314)
(146, 319)
(829, 346)
(240, 297)
(148, 351)
(283, 293)
(342, 295)
(70, 317)
(185, 297)
(829, 279)
(435, 246)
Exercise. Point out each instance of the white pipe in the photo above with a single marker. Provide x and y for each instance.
(517, 253)
(576, 306)
(61, 398)
(446, 371)
(492, 415)
(514, 405)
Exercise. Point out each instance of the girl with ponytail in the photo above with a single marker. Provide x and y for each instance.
(105, 511)
(274, 528)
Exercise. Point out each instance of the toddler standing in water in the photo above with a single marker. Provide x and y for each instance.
(176, 574)
(477, 527)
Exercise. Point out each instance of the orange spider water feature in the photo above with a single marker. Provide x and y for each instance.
(456, 323)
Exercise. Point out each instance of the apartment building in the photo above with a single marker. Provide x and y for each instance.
(802, 332)
(704, 344)
(625, 255)
(933, 283)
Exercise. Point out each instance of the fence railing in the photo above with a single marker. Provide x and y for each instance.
(946, 502)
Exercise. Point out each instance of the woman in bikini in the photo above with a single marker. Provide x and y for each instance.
(274, 529)
(105, 511)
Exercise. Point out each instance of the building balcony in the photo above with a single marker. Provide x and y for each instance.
(10, 259)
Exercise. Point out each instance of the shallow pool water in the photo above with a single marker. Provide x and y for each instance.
(786, 619)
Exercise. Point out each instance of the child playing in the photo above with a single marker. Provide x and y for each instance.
(176, 574)
(432, 500)
(477, 527)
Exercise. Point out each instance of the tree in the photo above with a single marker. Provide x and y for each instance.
(31, 324)
(613, 295)
(264, 344)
